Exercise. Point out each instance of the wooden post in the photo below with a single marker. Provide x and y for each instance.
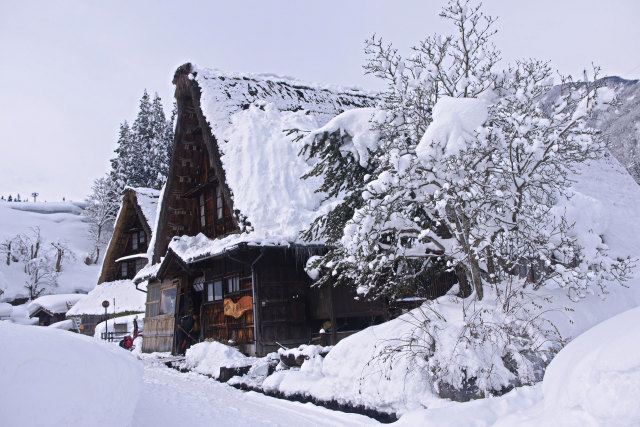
(333, 315)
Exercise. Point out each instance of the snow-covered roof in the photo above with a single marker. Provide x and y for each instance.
(249, 115)
(127, 298)
(224, 94)
(54, 304)
(147, 272)
(148, 202)
(134, 256)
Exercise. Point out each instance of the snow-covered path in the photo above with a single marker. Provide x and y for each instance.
(171, 398)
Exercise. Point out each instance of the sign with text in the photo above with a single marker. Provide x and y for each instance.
(237, 309)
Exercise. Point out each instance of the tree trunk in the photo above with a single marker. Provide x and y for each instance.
(463, 282)
(59, 260)
(9, 253)
(475, 277)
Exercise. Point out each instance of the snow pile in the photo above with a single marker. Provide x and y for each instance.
(594, 380)
(597, 376)
(54, 304)
(209, 356)
(357, 125)
(354, 373)
(16, 314)
(122, 296)
(455, 121)
(65, 325)
(74, 208)
(128, 320)
(53, 377)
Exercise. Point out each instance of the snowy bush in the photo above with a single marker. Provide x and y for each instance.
(469, 175)
(209, 356)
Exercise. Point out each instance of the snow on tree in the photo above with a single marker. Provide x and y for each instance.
(469, 166)
(39, 264)
(101, 211)
(144, 148)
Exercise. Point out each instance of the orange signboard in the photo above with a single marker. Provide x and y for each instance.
(237, 309)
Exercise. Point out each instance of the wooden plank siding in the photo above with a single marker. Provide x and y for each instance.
(158, 333)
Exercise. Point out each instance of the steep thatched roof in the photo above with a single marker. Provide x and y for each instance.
(138, 206)
(214, 98)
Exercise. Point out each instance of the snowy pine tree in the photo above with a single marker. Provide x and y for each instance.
(143, 152)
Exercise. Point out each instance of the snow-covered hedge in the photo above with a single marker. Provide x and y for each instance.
(209, 356)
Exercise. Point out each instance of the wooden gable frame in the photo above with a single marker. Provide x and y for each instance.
(191, 125)
(130, 213)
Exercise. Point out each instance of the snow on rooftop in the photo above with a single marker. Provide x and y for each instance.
(127, 298)
(148, 202)
(54, 304)
(249, 115)
(134, 256)
(224, 94)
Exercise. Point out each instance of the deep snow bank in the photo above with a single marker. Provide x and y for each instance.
(597, 376)
(593, 381)
(57, 378)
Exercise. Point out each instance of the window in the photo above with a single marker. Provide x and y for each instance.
(203, 219)
(214, 291)
(141, 262)
(233, 284)
(123, 269)
(142, 237)
(134, 241)
(219, 203)
(168, 300)
(217, 290)
(154, 300)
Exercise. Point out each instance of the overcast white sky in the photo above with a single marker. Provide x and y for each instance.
(72, 71)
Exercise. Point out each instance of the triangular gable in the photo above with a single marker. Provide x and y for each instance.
(207, 99)
(130, 213)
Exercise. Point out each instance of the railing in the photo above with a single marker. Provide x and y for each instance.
(114, 336)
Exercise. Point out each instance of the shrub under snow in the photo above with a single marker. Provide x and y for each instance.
(208, 357)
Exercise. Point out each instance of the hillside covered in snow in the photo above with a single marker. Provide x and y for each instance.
(40, 235)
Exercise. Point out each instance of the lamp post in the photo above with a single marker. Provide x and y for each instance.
(105, 304)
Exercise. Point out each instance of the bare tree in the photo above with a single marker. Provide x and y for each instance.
(38, 263)
(101, 211)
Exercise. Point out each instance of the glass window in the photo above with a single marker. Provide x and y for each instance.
(217, 290)
(140, 263)
(168, 300)
(203, 219)
(153, 303)
(209, 292)
(134, 241)
(142, 237)
(233, 284)
(219, 202)
(123, 269)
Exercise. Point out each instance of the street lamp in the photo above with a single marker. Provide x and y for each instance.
(105, 304)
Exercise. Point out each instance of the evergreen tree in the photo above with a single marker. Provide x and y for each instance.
(144, 149)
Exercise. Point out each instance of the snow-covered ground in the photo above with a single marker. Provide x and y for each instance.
(58, 223)
(53, 377)
(170, 398)
(593, 381)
